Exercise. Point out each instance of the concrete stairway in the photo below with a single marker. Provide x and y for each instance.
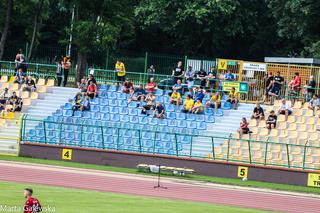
(223, 127)
(41, 108)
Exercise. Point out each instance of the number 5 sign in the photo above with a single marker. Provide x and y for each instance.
(66, 154)
(242, 172)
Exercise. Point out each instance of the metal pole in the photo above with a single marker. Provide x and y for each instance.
(287, 145)
(265, 154)
(213, 152)
(71, 28)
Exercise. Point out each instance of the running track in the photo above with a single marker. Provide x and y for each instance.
(144, 186)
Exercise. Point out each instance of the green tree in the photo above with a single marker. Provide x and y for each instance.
(7, 22)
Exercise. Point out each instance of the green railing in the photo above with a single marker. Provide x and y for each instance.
(146, 139)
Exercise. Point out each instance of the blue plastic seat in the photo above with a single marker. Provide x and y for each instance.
(191, 117)
(159, 145)
(122, 96)
(147, 143)
(200, 118)
(112, 88)
(171, 115)
(69, 136)
(123, 103)
(115, 117)
(133, 111)
(133, 104)
(159, 99)
(168, 92)
(124, 118)
(143, 120)
(153, 121)
(166, 99)
(191, 124)
(201, 125)
(50, 118)
(182, 124)
(113, 102)
(95, 109)
(94, 101)
(124, 111)
(68, 128)
(40, 133)
(219, 112)
(58, 112)
(112, 95)
(105, 117)
(104, 102)
(103, 87)
(172, 123)
(168, 145)
(77, 114)
(134, 119)
(227, 105)
(67, 113)
(105, 109)
(96, 116)
(89, 137)
(163, 122)
(171, 108)
(209, 119)
(209, 111)
(180, 116)
(114, 110)
(67, 106)
(102, 93)
(31, 133)
(159, 92)
(87, 115)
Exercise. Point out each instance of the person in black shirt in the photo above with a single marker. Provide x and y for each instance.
(30, 85)
(201, 75)
(272, 120)
(257, 113)
(159, 112)
(91, 78)
(311, 87)
(277, 84)
(268, 85)
(177, 72)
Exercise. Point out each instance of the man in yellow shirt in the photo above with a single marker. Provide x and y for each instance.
(175, 98)
(214, 101)
(121, 71)
(187, 104)
(233, 98)
(197, 107)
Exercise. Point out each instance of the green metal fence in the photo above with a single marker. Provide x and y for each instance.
(145, 139)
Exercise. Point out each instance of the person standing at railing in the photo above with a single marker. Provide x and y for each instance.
(178, 72)
(121, 72)
(59, 63)
(211, 79)
(268, 85)
(202, 76)
(296, 85)
(189, 75)
(277, 83)
(19, 60)
(150, 72)
(311, 87)
(66, 67)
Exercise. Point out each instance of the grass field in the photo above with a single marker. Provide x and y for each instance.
(228, 181)
(75, 200)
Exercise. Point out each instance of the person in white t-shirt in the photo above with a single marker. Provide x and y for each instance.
(285, 109)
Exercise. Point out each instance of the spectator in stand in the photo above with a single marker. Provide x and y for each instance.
(175, 98)
(202, 76)
(178, 72)
(178, 86)
(233, 98)
(314, 103)
(82, 85)
(151, 86)
(19, 77)
(121, 72)
(159, 111)
(285, 109)
(92, 90)
(305, 91)
(187, 104)
(19, 60)
(296, 85)
(189, 75)
(276, 85)
(150, 72)
(272, 120)
(91, 78)
(30, 85)
(198, 93)
(59, 63)
(66, 67)
(137, 95)
(311, 87)
(229, 76)
(77, 101)
(258, 113)
(214, 102)
(127, 86)
(16, 103)
(268, 85)
(211, 78)
(151, 103)
(4, 96)
(197, 107)
(244, 129)
(85, 104)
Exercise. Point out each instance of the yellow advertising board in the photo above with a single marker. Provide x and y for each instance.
(222, 64)
(314, 180)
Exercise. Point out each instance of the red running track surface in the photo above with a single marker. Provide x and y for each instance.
(144, 186)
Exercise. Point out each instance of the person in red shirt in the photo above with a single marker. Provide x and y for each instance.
(32, 205)
(151, 86)
(296, 83)
(92, 90)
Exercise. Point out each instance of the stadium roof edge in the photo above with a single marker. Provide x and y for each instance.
(285, 60)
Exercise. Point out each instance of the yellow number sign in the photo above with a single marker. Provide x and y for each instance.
(66, 154)
(222, 64)
(314, 180)
(242, 172)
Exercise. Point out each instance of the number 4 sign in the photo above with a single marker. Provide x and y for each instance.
(66, 154)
